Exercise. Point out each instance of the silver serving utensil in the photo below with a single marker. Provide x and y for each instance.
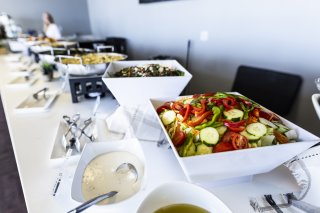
(124, 170)
(70, 122)
(86, 125)
(302, 205)
(36, 94)
(74, 143)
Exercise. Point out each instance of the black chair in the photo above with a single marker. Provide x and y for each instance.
(274, 90)
(120, 44)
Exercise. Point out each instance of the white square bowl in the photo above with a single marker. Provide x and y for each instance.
(138, 90)
(238, 164)
(92, 150)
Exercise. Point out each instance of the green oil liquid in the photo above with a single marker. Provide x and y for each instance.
(181, 208)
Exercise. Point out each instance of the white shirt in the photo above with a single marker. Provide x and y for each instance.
(53, 32)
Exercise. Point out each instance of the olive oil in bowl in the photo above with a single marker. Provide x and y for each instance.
(178, 208)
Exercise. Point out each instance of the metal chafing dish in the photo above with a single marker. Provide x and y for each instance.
(45, 45)
(87, 64)
(50, 54)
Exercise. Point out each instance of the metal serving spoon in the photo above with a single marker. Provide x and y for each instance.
(124, 170)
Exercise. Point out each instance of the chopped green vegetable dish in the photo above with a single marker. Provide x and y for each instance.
(149, 70)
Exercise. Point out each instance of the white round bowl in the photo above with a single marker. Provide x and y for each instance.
(179, 193)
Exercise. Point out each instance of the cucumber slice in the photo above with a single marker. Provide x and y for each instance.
(250, 137)
(203, 149)
(187, 101)
(257, 129)
(233, 114)
(267, 140)
(267, 123)
(282, 128)
(291, 134)
(167, 117)
(221, 130)
(209, 136)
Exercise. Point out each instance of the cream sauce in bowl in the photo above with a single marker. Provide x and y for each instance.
(100, 177)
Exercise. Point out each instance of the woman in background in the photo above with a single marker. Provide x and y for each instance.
(50, 29)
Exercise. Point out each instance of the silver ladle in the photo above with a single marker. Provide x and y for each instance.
(123, 170)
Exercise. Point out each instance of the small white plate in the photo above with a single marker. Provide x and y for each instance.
(23, 81)
(31, 105)
(98, 128)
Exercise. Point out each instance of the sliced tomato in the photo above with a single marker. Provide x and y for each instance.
(199, 120)
(227, 137)
(223, 147)
(183, 111)
(178, 138)
(163, 107)
(239, 141)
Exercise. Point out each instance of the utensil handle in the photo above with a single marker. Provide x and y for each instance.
(93, 201)
(305, 206)
(105, 47)
(60, 174)
(96, 105)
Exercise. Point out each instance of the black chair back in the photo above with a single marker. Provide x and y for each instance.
(274, 90)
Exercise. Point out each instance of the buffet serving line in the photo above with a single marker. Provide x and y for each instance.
(34, 139)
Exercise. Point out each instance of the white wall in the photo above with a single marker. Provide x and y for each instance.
(71, 15)
(280, 35)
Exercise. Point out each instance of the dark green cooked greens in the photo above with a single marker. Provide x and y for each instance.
(149, 70)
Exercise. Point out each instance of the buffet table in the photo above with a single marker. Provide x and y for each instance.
(32, 136)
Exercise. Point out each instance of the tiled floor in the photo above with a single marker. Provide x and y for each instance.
(11, 196)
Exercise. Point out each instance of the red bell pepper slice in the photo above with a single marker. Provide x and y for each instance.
(229, 103)
(208, 94)
(177, 106)
(199, 120)
(236, 129)
(216, 101)
(203, 108)
(268, 115)
(187, 113)
(235, 126)
(196, 96)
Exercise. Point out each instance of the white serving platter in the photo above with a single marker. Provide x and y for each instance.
(138, 90)
(238, 164)
(32, 105)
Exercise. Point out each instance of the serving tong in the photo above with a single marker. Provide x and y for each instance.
(37, 94)
(71, 141)
(283, 201)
